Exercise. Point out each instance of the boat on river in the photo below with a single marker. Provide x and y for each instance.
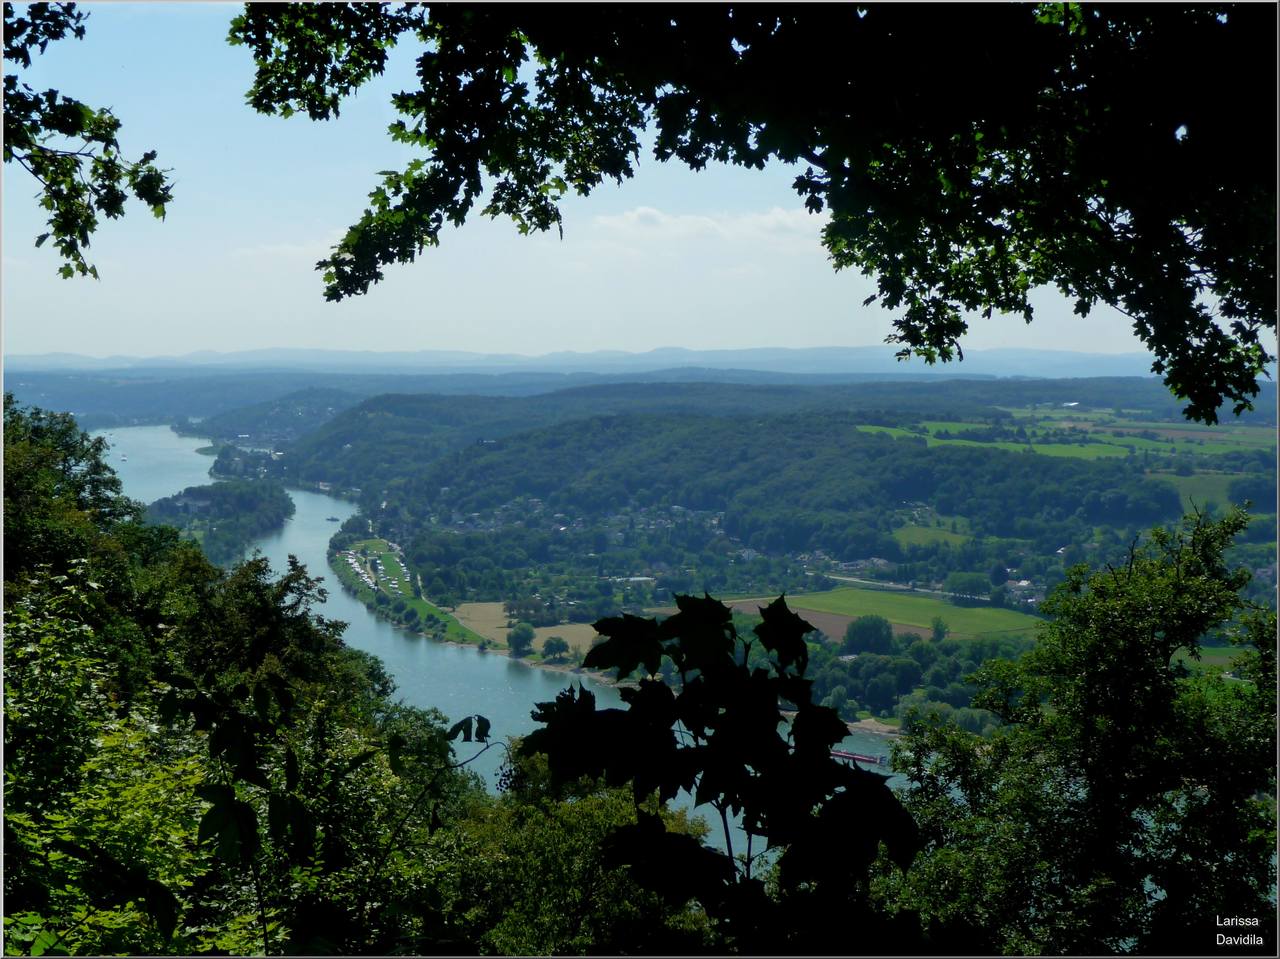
(880, 760)
(332, 519)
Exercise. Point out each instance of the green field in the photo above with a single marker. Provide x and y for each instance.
(393, 571)
(915, 609)
(1088, 451)
(1225, 436)
(1201, 487)
(924, 535)
(1213, 659)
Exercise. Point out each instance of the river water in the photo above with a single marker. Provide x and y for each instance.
(153, 462)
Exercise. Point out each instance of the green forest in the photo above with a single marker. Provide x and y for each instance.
(211, 770)
(224, 518)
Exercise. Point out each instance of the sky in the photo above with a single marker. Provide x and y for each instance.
(720, 259)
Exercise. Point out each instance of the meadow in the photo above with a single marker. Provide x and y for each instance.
(490, 621)
(392, 572)
(912, 535)
(916, 611)
(1088, 451)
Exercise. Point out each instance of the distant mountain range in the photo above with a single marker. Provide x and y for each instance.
(858, 360)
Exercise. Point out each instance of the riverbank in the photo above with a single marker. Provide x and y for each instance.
(875, 727)
(466, 633)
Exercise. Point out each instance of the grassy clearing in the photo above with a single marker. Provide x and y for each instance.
(1088, 451)
(579, 636)
(886, 720)
(916, 611)
(1201, 487)
(1213, 659)
(392, 573)
(490, 621)
(926, 535)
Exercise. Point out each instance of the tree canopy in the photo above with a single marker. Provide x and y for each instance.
(966, 155)
(1122, 796)
(69, 147)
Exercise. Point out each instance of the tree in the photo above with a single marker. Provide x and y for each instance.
(555, 648)
(868, 634)
(1028, 145)
(69, 147)
(1123, 800)
(520, 639)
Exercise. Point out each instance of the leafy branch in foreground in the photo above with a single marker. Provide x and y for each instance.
(70, 148)
(1028, 145)
(722, 735)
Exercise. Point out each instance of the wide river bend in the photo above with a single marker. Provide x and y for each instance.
(153, 462)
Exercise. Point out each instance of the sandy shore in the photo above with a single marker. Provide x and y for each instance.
(874, 726)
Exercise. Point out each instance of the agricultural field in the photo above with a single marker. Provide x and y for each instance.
(1164, 436)
(1201, 488)
(1089, 451)
(1213, 659)
(490, 621)
(915, 612)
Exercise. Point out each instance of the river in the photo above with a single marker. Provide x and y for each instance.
(153, 462)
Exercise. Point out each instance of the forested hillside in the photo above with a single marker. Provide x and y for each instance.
(389, 437)
(195, 763)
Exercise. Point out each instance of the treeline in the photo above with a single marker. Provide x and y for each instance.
(907, 675)
(224, 518)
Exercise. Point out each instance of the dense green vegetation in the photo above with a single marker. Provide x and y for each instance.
(389, 437)
(759, 490)
(275, 422)
(1118, 797)
(195, 763)
(629, 493)
(224, 518)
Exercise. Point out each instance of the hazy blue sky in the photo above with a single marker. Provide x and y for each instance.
(725, 258)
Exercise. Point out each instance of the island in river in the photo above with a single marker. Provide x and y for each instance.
(224, 518)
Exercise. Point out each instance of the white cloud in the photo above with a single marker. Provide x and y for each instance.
(310, 250)
(794, 230)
